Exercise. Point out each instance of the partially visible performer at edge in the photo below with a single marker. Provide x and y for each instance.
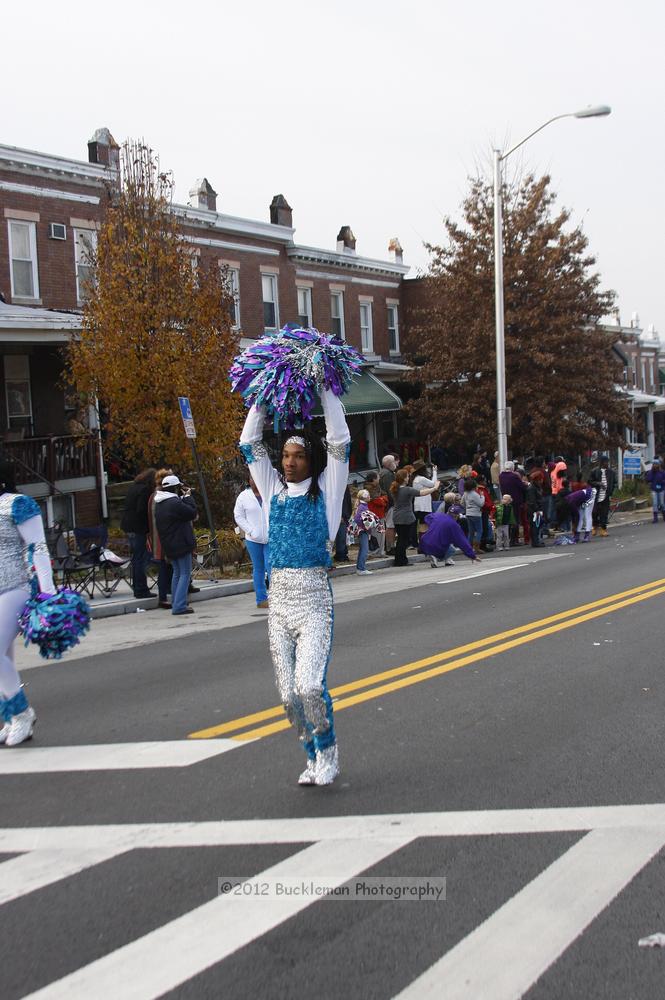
(304, 504)
(22, 544)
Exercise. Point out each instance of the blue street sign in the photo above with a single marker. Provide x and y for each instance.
(187, 418)
(632, 464)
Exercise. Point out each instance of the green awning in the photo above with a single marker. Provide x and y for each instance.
(367, 395)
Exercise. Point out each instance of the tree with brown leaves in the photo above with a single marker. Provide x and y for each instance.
(560, 370)
(156, 325)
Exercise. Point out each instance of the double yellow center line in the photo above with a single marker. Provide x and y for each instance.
(377, 685)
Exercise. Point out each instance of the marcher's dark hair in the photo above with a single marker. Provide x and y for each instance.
(316, 453)
(7, 476)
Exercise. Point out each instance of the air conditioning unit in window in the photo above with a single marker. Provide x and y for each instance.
(57, 231)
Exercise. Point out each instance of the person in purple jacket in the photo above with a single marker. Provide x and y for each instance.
(656, 480)
(442, 535)
(581, 506)
(512, 483)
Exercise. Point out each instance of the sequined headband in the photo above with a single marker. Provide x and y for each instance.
(296, 440)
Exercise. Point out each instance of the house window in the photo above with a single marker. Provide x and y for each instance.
(23, 255)
(337, 314)
(85, 246)
(17, 391)
(305, 306)
(270, 307)
(232, 282)
(366, 333)
(393, 330)
(644, 375)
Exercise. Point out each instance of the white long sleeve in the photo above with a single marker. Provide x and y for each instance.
(256, 455)
(335, 476)
(32, 533)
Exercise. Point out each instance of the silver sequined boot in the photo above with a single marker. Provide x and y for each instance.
(21, 727)
(327, 765)
(308, 777)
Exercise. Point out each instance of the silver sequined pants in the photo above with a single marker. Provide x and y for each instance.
(300, 631)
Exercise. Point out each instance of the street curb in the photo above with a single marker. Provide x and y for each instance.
(131, 605)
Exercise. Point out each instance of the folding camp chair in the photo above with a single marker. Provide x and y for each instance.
(95, 571)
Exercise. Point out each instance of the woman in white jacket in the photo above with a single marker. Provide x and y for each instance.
(250, 516)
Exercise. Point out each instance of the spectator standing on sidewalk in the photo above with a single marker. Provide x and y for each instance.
(165, 571)
(403, 515)
(250, 516)
(604, 479)
(495, 469)
(134, 523)
(386, 479)
(473, 503)
(378, 504)
(174, 514)
(363, 522)
(656, 480)
(422, 506)
(511, 482)
(505, 519)
(534, 507)
(341, 544)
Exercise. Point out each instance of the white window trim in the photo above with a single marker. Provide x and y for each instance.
(77, 262)
(33, 259)
(306, 290)
(397, 349)
(233, 272)
(272, 275)
(339, 294)
(367, 303)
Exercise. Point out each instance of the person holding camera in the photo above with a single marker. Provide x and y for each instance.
(175, 509)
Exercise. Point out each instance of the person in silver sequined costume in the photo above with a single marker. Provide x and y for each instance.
(21, 533)
(304, 507)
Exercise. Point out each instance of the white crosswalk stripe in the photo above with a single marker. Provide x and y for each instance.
(518, 943)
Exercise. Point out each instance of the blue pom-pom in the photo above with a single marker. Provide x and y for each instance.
(284, 373)
(54, 622)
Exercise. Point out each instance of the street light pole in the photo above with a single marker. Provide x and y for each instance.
(502, 432)
(501, 422)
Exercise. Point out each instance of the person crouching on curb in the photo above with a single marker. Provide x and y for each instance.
(442, 535)
(175, 509)
(250, 516)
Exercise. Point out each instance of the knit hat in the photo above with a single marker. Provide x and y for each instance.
(456, 509)
(506, 498)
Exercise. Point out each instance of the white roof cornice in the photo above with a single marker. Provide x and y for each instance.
(27, 161)
(346, 261)
(205, 218)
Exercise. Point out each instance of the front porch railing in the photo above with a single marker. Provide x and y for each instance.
(53, 458)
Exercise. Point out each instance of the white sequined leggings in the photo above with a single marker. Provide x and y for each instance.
(300, 630)
(12, 603)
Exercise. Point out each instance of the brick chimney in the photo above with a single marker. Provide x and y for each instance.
(346, 241)
(103, 149)
(281, 213)
(395, 248)
(202, 195)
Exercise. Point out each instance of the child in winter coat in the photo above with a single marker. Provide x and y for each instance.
(505, 517)
(363, 521)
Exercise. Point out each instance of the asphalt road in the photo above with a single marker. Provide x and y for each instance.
(520, 762)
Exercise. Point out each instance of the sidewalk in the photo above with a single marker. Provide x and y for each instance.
(123, 601)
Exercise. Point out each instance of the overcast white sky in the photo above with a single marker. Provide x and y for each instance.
(370, 113)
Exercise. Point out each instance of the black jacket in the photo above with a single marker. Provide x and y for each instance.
(135, 513)
(173, 517)
(594, 480)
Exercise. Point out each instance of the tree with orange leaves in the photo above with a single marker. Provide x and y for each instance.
(156, 325)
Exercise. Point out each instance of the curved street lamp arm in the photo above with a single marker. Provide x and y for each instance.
(569, 114)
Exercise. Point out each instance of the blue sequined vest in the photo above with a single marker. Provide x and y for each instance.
(298, 534)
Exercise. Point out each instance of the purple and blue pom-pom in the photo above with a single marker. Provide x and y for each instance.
(284, 373)
(54, 622)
